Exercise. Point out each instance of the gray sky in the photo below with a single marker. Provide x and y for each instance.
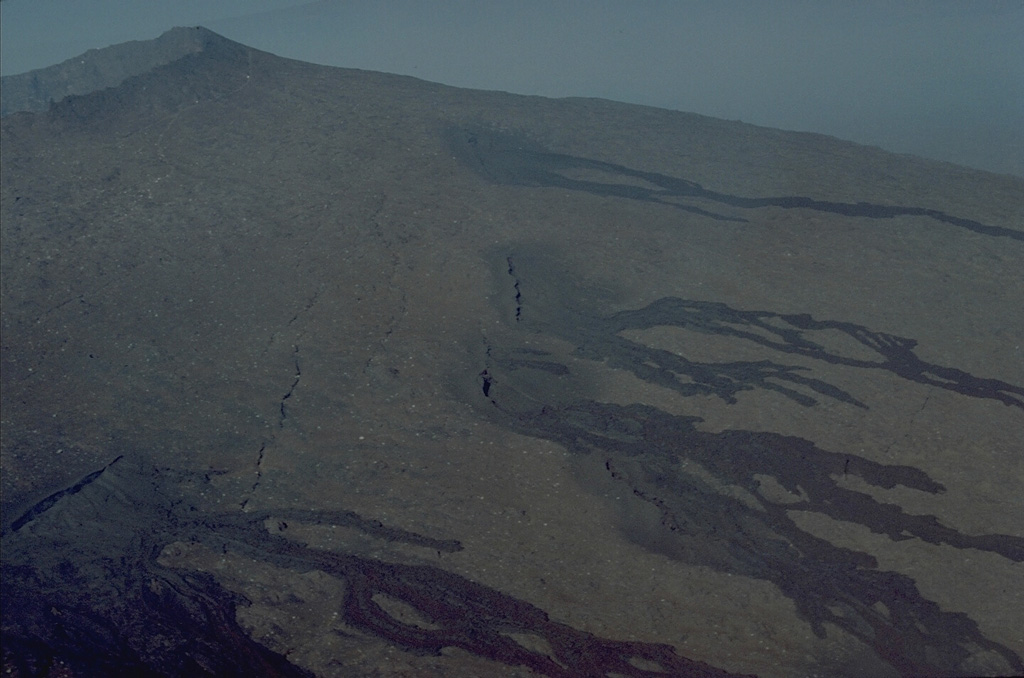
(936, 78)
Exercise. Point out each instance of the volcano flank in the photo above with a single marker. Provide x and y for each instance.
(317, 371)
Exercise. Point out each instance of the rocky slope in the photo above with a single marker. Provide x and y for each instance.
(313, 371)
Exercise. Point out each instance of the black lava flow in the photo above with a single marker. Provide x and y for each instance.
(83, 587)
(647, 450)
(512, 161)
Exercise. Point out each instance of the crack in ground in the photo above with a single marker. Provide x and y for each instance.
(519, 293)
(291, 389)
(282, 417)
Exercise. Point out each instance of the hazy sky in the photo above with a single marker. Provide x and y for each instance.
(936, 78)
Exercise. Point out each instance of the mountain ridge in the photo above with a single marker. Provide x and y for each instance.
(99, 69)
(109, 67)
